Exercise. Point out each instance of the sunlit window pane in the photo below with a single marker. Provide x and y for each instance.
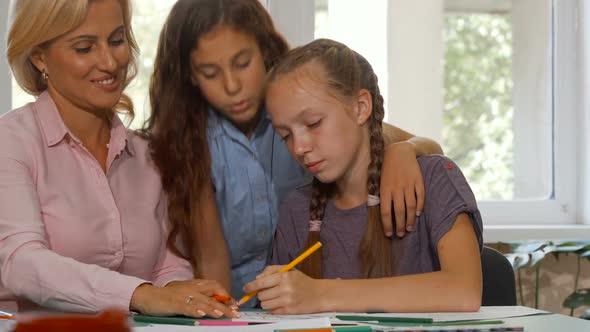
(478, 112)
(497, 110)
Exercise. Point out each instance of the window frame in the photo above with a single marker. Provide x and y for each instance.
(561, 207)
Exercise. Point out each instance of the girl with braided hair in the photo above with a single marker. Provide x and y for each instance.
(324, 101)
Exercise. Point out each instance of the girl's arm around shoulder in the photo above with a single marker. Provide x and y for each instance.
(402, 185)
(422, 146)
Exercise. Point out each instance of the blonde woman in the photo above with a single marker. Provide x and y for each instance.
(81, 206)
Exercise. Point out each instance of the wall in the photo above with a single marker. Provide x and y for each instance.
(415, 49)
(294, 19)
(531, 98)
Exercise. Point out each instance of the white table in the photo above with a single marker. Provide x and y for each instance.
(537, 323)
(550, 323)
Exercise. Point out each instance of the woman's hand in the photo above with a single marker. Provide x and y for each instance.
(191, 298)
(286, 293)
(402, 183)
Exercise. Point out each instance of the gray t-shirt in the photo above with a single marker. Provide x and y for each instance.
(447, 195)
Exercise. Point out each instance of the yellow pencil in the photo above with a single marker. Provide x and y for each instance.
(286, 268)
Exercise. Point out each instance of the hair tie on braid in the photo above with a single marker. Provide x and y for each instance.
(315, 225)
(373, 200)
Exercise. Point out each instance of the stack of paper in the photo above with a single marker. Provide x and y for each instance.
(280, 324)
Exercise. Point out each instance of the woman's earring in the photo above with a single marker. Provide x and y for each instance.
(44, 76)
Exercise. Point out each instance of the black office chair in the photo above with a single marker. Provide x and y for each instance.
(499, 287)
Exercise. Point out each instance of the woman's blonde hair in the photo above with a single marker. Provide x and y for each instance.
(36, 23)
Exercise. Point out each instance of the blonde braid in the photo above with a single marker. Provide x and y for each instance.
(312, 266)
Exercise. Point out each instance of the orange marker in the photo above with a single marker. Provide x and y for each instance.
(221, 298)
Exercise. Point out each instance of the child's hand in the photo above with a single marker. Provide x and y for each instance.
(402, 183)
(271, 269)
(286, 293)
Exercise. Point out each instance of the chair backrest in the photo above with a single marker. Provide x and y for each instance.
(499, 287)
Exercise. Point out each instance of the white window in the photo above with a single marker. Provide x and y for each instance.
(148, 18)
(494, 81)
(522, 144)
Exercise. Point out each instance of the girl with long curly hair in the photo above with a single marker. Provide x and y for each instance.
(224, 168)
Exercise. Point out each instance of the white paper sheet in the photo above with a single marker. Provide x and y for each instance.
(263, 316)
(485, 313)
(324, 319)
(283, 324)
(440, 328)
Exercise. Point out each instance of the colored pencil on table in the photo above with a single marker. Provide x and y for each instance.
(286, 268)
(190, 321)
(165, 320)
